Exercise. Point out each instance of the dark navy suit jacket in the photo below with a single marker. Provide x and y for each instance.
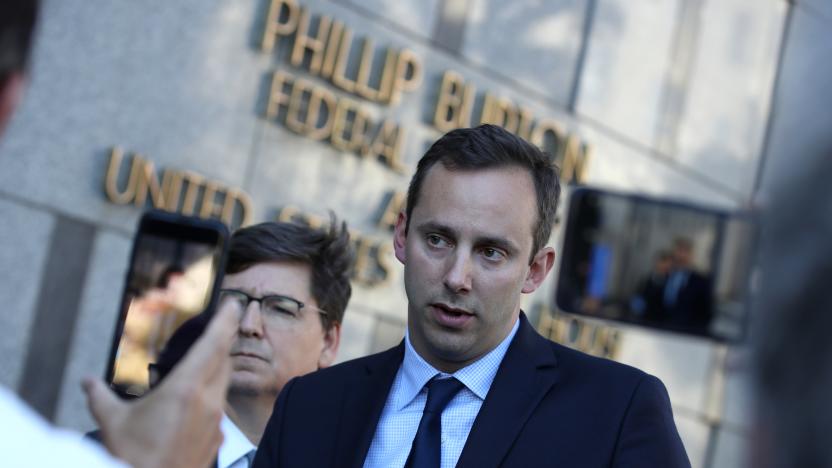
(549, 406)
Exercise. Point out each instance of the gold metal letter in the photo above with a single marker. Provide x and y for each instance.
(499, 111)
(394, 206)
(453, 109)
(148, 182)
(194, 181)
(277, 97)
(209, 203)
(111, 180)
(365, 68)
(274, 27)
(234, 198)
(339, 77)
(345, 107)
(332, 49)
(575, 160)
(293, 118)
(304, 42)
(320, 95)
(408, 76)
(388, 145)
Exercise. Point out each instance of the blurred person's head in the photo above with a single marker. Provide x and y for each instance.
(472, 239)
(663, 262)
(169, 275)
(299, 279)
(17, 24)
(682, 252)
(793, 312)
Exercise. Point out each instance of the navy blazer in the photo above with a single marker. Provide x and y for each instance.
(549, 406)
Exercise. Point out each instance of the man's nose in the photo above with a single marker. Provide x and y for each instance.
(458, 275)
(251, 322)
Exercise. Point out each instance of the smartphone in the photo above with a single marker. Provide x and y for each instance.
(176, 268)
(657, 263)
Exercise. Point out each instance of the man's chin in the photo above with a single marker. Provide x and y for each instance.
(243, 384)
(451, 346)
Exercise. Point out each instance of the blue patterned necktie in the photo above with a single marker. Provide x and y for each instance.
(674, 284)
(426, 449)
(250, 457)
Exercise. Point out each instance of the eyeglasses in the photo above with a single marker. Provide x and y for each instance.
(273, 304)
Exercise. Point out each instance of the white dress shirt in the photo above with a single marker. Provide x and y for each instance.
(402, 412)
(27, 440)
(235, 446)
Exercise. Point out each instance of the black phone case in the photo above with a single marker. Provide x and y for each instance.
(156, 221)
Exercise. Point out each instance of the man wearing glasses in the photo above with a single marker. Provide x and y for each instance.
(292, 283)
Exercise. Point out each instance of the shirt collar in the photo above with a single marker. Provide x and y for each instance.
(235, 445)
(477, 376)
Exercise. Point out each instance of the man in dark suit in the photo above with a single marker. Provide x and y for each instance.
(688, 295)
(648, 303)
(472, 384)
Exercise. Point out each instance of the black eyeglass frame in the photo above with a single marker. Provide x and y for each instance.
(259, 300)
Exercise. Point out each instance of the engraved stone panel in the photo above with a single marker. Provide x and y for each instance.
(533, 42)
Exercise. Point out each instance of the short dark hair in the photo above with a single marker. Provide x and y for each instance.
(17, 24)
(327, 251)
(683, 243)
(664, 255)
(490, 146)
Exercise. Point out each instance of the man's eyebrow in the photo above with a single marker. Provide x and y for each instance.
(498, 242)
(438, 228)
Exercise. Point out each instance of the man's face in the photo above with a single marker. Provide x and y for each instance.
(682, 256)
(663, 265)
(466, 257)
(271, 349)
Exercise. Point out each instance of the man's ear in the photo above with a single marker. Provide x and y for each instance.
(332, 338)
(400, 237)
(540, 267)
(11, 91)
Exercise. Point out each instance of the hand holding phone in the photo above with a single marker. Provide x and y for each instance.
(178, 423)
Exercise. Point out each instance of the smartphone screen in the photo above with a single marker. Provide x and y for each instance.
(656, 263)
(170, 288)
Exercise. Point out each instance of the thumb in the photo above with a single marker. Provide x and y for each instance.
(101, 401)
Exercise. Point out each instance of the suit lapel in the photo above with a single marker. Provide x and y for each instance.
(363, 402)
(526, 374)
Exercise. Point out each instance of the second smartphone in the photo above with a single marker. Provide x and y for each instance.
(171, 289)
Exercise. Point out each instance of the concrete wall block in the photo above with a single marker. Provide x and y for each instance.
(25, 233)
(417, 16)
(627, 68)
(94, 328)
(815, 7)
(723, 122)
(176, 82)
(682, 363)
(534, 42)
(694, 434)
(733, 449)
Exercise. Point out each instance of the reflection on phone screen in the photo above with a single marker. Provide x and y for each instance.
(169, 284)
